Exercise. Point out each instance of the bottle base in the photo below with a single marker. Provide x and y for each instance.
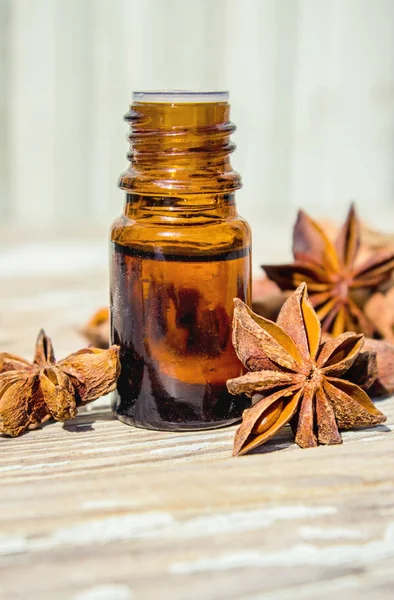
(165, 426)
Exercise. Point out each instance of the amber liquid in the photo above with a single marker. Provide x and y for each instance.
(171, 316)
(180, 256)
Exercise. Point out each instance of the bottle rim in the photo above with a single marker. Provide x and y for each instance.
(179, 96)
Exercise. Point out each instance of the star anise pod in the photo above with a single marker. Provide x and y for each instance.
(338, 285)
(379, 308)
(384, 383)
(294, 378)
(32, 393)
(96, 330)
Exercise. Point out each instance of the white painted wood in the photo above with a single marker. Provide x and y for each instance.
(311, 86)
(73, 102)
(4, 108)
(344, 107)
(32, 112)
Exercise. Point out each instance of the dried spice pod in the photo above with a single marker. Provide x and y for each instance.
(384, 383)
(96, 330)
(370, 239)
(338, 285)
(32, 393)
(267, 298)
(379, 308)
(296, 379)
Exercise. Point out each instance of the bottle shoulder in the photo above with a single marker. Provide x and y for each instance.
(229, 233)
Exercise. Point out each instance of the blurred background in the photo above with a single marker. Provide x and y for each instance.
(311, 87)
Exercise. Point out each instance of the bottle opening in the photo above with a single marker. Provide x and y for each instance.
(179, 96)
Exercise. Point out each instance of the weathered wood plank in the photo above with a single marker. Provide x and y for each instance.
(94, 510)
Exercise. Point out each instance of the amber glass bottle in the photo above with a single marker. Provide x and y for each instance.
(180, 254)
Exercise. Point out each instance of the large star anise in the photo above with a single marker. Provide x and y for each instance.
(294, 378)
(32, 393)
(337, 284)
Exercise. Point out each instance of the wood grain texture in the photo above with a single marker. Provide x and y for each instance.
(94, 510)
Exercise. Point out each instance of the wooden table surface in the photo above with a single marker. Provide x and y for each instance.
(96, 510)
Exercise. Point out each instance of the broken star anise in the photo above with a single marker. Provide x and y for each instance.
(338, 285)
(294, 378)
(96, 330)
(32, 393)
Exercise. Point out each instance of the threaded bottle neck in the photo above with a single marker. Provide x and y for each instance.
(180, 144)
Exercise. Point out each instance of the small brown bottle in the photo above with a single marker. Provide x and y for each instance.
(180, 254)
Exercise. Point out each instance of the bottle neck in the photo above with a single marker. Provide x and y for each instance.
(180, 150)
(195, 208)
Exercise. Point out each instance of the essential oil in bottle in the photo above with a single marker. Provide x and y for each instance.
(180, 255)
